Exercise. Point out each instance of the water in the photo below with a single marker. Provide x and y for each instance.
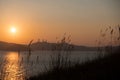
(18, 66)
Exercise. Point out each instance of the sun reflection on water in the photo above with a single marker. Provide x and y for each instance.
(12, 69)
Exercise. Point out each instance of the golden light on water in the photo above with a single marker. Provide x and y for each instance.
(12, 57)
(12, 69)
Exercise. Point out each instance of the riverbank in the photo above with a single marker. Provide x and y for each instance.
(106, 68)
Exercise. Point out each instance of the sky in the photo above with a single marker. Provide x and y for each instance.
(48, 19)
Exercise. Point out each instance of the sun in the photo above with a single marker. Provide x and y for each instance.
(13, 30)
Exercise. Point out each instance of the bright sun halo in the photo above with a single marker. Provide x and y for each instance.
(13, 30)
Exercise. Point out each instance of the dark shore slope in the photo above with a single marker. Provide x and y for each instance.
(107, 68)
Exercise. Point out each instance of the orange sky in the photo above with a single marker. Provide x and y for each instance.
(48, 19)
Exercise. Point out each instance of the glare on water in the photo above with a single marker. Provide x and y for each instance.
(15, 66)
(11, 68)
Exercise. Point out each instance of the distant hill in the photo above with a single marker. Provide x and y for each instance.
(52, 46)
(5, 46)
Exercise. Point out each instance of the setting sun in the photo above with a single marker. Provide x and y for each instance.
(13, 30)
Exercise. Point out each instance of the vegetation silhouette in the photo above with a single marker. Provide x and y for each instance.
(103, 68)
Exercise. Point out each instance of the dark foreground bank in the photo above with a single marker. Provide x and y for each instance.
(107, 68)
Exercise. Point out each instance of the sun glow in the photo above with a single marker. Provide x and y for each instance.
(13, 30)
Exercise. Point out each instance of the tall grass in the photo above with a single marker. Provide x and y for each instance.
(103, 68)
(109, 40)
(61, 51)
(60, 65)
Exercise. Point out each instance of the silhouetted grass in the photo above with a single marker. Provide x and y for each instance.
(106, 68)
(103, 68)
(62, 68)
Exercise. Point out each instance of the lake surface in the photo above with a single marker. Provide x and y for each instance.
(20, 65)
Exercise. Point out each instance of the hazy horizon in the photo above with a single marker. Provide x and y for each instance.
(48, 19)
